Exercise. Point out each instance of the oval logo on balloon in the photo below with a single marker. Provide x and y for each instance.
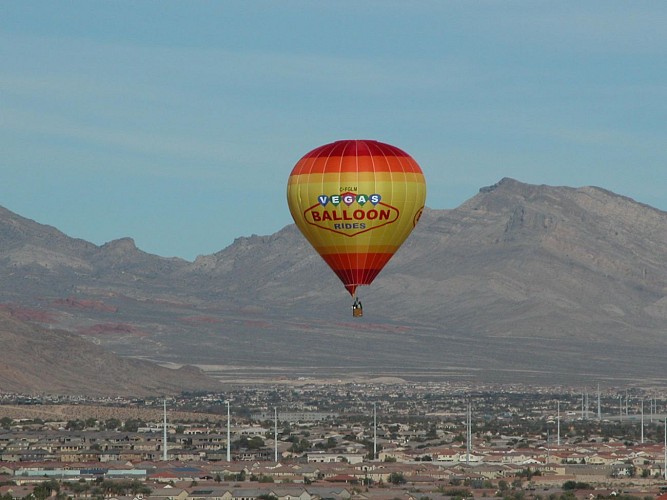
(352, 218)
(356, 201)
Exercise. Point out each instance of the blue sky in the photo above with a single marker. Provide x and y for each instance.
(177, 123)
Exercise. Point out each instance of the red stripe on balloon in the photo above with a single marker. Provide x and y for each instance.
(355, 269)
(356, 156)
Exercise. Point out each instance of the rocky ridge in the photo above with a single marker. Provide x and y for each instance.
(521, 282)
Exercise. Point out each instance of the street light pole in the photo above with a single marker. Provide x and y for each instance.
(275, 434)
(375, 432)
(558, 425)
(229, 434)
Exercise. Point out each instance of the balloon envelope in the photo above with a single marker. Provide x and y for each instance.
(356, 201)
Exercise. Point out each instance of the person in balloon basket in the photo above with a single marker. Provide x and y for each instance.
(357, 309)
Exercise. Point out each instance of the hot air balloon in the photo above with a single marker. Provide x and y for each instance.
(356, 201)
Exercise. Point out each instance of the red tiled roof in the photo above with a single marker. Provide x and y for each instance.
(341, 478)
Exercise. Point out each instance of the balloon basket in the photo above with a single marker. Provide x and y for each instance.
(357, 309)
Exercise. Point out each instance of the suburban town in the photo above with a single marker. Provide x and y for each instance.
(319, 441)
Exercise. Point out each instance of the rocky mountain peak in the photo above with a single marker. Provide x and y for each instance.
(120, 246)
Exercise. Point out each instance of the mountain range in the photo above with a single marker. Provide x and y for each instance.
(520, 284)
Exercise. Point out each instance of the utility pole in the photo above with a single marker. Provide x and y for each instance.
(558, 424)
(375, 431)
(275, 434)
(229, 435)
(468, 433)
(164, 433)
(642, 421)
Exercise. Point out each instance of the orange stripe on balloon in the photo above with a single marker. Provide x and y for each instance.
(368, 249)
(320, 178)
